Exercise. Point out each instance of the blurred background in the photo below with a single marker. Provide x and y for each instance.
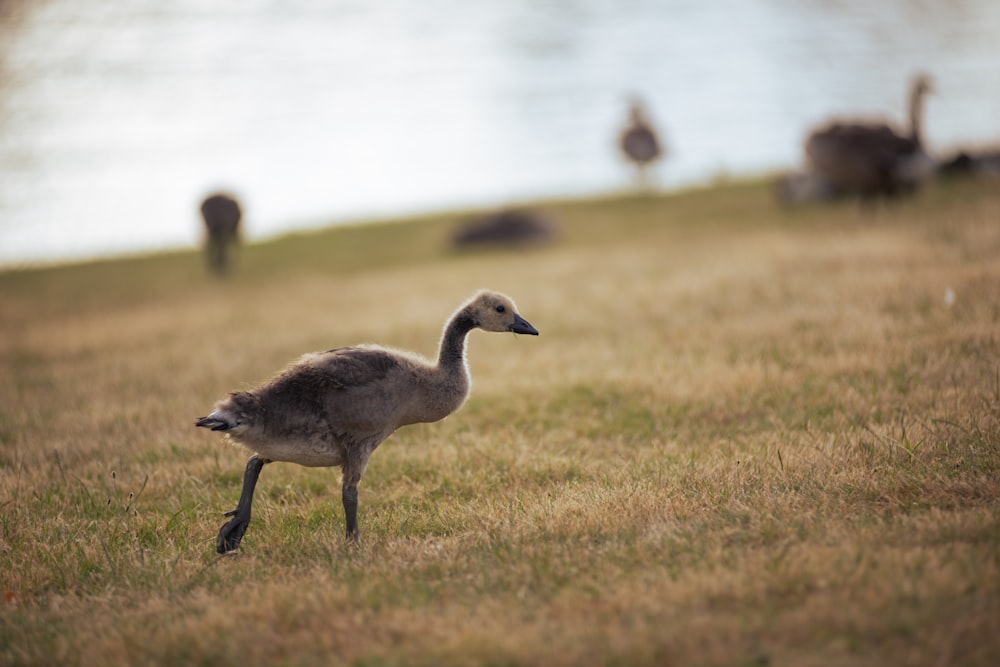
(117, 117)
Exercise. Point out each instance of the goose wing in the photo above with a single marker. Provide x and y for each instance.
(878, 145)
(347, 391)
(857, 156)
(346, 367)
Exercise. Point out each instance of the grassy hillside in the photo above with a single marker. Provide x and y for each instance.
(745, 436)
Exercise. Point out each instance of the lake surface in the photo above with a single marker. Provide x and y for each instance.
(118, 116)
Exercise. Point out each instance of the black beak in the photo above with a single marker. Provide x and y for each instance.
(521, 326)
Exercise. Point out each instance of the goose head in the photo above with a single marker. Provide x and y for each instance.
(492, 311)
(922, 85)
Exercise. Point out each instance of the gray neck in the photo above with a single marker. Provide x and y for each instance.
(916, 116)
(452, 354)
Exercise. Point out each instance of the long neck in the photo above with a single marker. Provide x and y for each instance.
(447, 385)
(916, 116)
(452, 354)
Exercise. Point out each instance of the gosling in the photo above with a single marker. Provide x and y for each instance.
(334, 408)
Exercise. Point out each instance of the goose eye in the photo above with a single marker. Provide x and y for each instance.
(501, 309)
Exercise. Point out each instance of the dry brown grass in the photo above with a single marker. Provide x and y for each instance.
(744, 437)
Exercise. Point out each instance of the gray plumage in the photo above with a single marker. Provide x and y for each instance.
(873, 159)
(334, 408)
(639, 142)
(222, 214)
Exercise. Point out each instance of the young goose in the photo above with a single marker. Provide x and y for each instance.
(334, 408)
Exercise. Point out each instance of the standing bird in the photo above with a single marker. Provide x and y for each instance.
(872, 160)
(638, 141)
(222, 215)
(334, 408)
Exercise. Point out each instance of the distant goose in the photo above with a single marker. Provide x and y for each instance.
(976, 162)
(638, 141)
(506, 227)
(222, 214)
(872, 159)
(334, 408)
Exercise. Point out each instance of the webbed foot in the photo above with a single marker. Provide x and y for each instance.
(231, 534)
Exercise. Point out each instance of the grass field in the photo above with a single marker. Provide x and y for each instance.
(745, 436)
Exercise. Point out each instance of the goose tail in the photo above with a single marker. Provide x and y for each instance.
(217, 421)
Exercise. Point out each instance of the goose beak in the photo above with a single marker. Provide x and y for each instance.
(521, 326)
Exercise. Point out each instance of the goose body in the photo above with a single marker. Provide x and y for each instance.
(873, 159)
(313, 411)
(222, 214)
(334, 408)
(638, 141)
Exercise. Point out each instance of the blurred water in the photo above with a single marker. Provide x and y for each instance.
(117, 116)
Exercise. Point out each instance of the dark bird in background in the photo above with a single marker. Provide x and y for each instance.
(222, 215)
(973, 162)
(872, 160)
(508, 227)
(639, 142)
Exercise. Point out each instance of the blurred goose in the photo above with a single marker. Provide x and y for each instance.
(639, 142)
(222, 214)
(872, 159)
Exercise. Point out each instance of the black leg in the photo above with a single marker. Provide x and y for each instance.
(231, 533)
(350, 496)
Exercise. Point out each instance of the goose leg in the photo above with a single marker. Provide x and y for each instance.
(231, 533)
(354, 470)
(350, 497)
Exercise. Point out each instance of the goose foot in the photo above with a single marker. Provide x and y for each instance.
(231, 534)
